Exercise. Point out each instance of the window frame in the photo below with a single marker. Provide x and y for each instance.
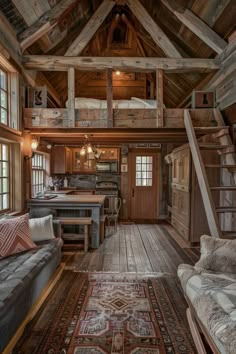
(12, 96)
(8, 177)
(38, 173)
(145, 181)
(7, 92)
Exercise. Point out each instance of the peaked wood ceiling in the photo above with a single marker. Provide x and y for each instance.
(121, 34)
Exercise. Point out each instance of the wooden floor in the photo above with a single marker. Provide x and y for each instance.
(134, 248)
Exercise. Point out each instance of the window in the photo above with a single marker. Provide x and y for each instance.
(38, 173)
(4, 177)
(9, 95)
(4, 114)
(144, 171)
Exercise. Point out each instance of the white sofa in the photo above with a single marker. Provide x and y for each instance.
(210, 290)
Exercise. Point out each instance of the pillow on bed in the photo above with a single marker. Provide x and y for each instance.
(217, 254)
(145, 103)
(15, 236)
(41, 229)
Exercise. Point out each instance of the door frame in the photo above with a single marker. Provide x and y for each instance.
(156, 151)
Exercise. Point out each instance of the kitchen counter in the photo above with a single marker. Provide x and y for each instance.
(71, 202)
(61, 191)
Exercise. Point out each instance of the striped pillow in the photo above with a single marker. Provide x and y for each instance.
(15, 236)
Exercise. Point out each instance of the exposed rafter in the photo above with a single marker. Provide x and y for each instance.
(60, 63)
(131, 27)
(212, 12)
(90, 28)
(153, 29)
(45, 23)
(197, 26)
(9, 44)
(31, 10)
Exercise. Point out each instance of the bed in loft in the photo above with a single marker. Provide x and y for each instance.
(133, 113)
(133, 103)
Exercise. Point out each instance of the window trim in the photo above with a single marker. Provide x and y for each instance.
(7, 92)
(43, 168)
(9, 178)
(13, 97)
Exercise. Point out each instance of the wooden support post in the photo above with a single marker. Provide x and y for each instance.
(109, 99)
(159, 97)
(71, 96)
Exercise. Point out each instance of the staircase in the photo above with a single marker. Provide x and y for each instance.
(220, 216)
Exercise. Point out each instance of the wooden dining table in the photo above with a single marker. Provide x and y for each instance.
(70, 203)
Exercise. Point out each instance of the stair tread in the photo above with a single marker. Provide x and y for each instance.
(218, 127)
(223, 188)
(220, 166)
(225, 209)
(214, 146)
(229, 234)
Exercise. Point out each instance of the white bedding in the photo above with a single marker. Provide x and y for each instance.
(134, 103)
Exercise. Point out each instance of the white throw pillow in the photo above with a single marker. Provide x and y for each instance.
(217, 254)
(41, 228)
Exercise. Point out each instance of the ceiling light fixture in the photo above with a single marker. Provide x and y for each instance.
(118, 73)
(88, 148)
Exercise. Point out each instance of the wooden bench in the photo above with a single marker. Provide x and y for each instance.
(84, 221)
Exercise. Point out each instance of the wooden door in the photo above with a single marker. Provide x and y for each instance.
(143, 185)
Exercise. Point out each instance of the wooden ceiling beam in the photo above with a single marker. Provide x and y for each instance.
(197, 26)
(90, 28)
(45, 23)
(111, 135)
(61, 63)
(153, 29)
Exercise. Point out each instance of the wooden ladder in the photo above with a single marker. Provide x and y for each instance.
(223, 146)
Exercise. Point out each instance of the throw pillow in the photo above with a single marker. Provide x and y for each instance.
(15, 236)
(41, 228)
(217, 254)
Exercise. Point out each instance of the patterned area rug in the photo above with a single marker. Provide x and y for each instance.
(110, 313)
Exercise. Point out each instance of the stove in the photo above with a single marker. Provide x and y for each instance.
(107, 188)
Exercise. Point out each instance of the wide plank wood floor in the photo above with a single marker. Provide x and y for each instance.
(144, 248)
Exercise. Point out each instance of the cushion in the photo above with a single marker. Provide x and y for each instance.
(217, 254)
(15, 236)
(6, 216)
(41, 228)
(213, 296)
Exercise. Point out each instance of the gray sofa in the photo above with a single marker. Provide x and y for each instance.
(210, 290)
(22, 278)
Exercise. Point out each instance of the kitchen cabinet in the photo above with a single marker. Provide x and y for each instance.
(108, 154)
(83, 163)
(61, 160)
(188, 215)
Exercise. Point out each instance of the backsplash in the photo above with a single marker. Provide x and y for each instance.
(89, 181)
(82, 181)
